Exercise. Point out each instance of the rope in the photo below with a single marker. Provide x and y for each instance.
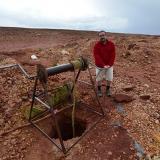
(74, 104)
(76, 65)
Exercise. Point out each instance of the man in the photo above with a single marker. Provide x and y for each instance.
(104, 55)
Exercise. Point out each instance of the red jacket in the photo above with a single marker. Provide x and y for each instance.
(104, 54)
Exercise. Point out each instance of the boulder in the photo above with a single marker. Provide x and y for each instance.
(145, 97)
(128, 88)
(122, 98)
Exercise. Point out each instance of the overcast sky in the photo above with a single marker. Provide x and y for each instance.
(128, 16)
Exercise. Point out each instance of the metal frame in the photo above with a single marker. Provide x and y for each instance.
(20, 68)
(54, 112)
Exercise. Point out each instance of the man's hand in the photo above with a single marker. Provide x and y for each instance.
(106, 66)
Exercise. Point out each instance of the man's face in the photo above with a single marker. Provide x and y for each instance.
(102, 36)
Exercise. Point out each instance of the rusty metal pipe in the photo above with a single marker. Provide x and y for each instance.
(80, 64)
(43, 73)
(59, 69)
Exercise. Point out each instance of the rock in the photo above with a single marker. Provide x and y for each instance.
(9, 122)
(4, 158)
(1, 122)
(122, 98)
(18, 100)
(110, 153)
(9, 82)
(157, 121)
(128, 88)
(5, 143)
(64, 52)
(131, 46)
(146, 85)
(8, 113)
(11, 147)
(148, 157)
(6, 126)
(23, 147)
(12, 104)
(16, 132)
(137, 47)
(13, 141)
(156, 137)
(127, 54)
(145, 97)
(13, 152)
(157, 115)
(24, 98)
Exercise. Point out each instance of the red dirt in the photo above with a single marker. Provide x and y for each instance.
(137, 66)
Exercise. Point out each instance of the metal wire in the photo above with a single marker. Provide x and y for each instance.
(18, 66)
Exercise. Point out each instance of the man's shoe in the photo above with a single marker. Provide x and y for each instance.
(99, 93)
(108, 92)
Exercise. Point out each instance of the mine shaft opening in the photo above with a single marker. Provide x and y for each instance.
(66, 129)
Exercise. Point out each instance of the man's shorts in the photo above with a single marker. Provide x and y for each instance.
(103, 73)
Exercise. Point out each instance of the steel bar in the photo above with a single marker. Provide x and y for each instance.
(8, 66)
(40, 114)
(62, 109)
(90, 108)
(93, 86)
(25, 73)
(45, 134)
(42, 102)
(85, 82)
(20, 68)
(58, 131)
(33, 98)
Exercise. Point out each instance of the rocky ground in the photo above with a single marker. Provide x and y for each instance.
(136, 74)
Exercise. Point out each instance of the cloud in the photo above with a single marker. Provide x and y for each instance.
(87, 23)
(115, 16)
(142, 16)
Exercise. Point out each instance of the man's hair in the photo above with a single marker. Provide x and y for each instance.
(101, 32)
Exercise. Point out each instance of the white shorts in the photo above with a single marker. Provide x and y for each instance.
(103, 73)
